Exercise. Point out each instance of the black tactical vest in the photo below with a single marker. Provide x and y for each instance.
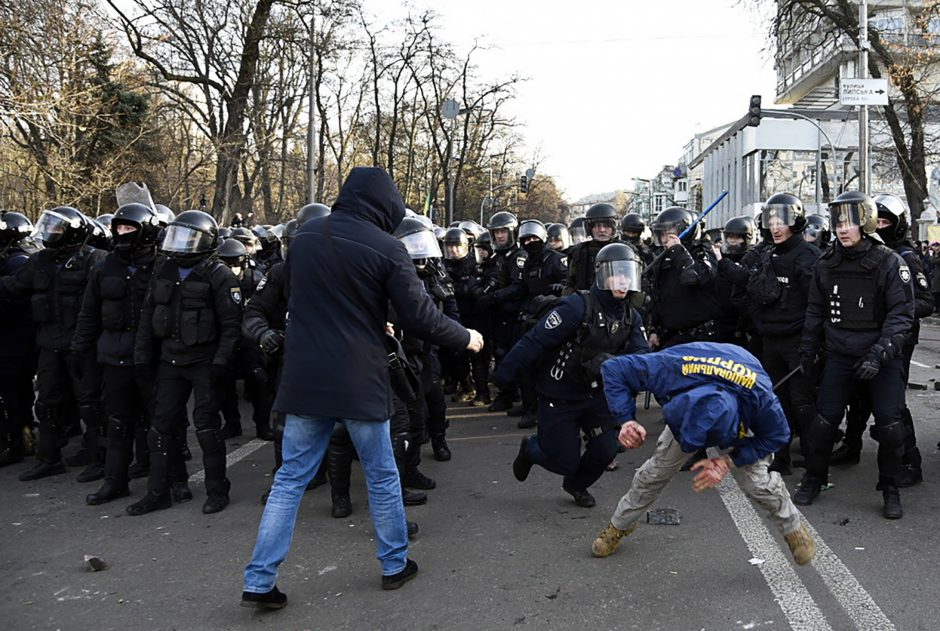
(122, 293)
(597, 334)
(58, 290)
(852, 289)
(184, 309)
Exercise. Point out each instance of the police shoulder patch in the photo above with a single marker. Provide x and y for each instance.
(236, 293)
(553, 319)
(905, 273)
(520, 262)
(564, 261)
(922, 281)
(264, 281)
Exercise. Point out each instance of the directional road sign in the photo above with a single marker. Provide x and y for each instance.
(863, 91)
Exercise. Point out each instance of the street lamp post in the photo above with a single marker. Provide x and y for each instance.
(311, 115)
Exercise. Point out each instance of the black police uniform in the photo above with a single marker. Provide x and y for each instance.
(190, 324)
(860, 310)
(463, 275)
(500, 299)
(580, 272)
(107, 326)
(566, 348)
(685, 305)
(779, 288)
(55, 282)
(17, 363)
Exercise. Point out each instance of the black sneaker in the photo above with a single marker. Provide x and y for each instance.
(809, 489)
(148, 504)
(395, 581)
(414, 479)
(274, 599)
(342, 506)
(522, 464)
(581, 498)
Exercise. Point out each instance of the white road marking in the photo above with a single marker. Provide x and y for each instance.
(242, 452)
(919, 365)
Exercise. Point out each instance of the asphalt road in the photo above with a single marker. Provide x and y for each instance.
(493, 553)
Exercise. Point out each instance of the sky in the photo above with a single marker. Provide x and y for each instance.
(616, 88)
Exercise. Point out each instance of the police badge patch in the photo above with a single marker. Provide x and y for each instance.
(553, 320)
(236, 293)
(262, 283)
(614, 326)
(905, 273)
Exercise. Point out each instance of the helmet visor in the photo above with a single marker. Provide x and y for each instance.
(184, 240)
(618, 276)
(847, 215)
(578, 235)
(480, 254)
(456, 251)
(663, 230)
(562, 241)
(778, 215)
(51, 227)
(422, 245)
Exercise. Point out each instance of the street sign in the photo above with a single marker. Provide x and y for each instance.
(863, 91)
(450, 109)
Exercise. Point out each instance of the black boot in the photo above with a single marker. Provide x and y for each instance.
(440, 448)
(911, 473)
(141, 466)
(581, 497)
(50, 457)
(339, 457)
(846, 453)
(12, 451)
(810, 486)
(110, 490)
(528, 421)
(412, 529)
(231, 430)
(213, 460)
(342, 506)
(148, 504)
(264, 432)
(413, 478)
(42, 470)
(892, 508)
(158, 494)
(413, 498)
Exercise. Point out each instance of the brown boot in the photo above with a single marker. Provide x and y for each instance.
(801, 545)
(607, 542)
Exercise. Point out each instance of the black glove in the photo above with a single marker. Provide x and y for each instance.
(557, 288)
(218, 374)
(869, 366)
(807, 363)
(271, 341)
(594, 365)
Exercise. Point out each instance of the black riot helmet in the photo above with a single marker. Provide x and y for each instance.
(266, 237)
(233, 253)
(894, 211)
(483, 247)
(633, 223)
(247, 238)
(312, 211)
(533, 236)
(62, 227)
(14, 227)
(817, 230)
(100, 236)
(736, 228)
(225, 232)
(785, 209)
(105, 220)
(290, 231)
(165, 214)
(145, 223)
(503, 220)
(854, 208)
(456, 244)
(600, 215)
(191, 238)
(472, 228)
(439, 233)
(579, 233)
(675, 220)
(558, 236)
(420, 242)
(617, 267)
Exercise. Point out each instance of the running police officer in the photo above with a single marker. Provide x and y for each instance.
(566, 349)
(861, 311)
(190, 326)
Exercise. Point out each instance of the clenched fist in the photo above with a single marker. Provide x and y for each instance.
(632, 435)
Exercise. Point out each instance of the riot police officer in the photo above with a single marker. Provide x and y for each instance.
(480, 362)
(579, 233)
(55, 278)
(685, 305)
(107, 326)
(817, 231)
(462, 269)
(269, 249)
(632, 228)
(190, 326)
(566, 349)
(17, 353)
(860, 310)
(738, 236)
(601, 223)
(779, 287)
(559, 237)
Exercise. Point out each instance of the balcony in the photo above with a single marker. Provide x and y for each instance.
(816, 70)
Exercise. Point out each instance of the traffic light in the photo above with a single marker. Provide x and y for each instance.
(523, 184)
(753, 111)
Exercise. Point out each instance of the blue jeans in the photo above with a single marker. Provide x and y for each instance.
(305, 442)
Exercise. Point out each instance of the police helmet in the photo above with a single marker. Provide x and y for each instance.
(783, 209)
(225, 232)
(233, 253)
(894, 210)
(312, 211)
(165, 214)
(456, 244)
(558, 236)
(105, 220)
(579, 233)
(418, 239)
(632, 222)
(617, 267)
(472, 228)
(740, 227)
(817, 230)
(191, 237)
(425, 221)
(266, 237)
(503, 220)
(247, 237)
(14, 227)
(439, 233)
(145, 223)
(63, 227)
(601, 214)
(676, 220)
(854, 208)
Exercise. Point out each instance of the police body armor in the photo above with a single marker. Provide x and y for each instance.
(581, 261)
(852, 289)
(122, 292)
(184, 309)
(773, 288)
(597, 335)
(57, 295)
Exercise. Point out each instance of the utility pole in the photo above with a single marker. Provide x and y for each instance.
(311, 115)
(863, 149)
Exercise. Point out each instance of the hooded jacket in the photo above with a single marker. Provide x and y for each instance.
(712, 395)
(335, 361)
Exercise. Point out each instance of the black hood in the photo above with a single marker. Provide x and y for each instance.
(370, 193)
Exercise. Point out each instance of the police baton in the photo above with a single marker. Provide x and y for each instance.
(786, 377)
(710, 208)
